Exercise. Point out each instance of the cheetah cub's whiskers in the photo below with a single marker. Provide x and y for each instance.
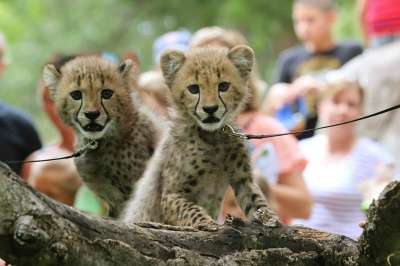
(95, 97)
(196, 162)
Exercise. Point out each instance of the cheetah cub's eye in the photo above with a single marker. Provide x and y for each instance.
(106, 94)
(76, 95)
(223, 86)
(194, 89)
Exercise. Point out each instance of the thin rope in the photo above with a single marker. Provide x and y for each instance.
(230, 130)
(91, 145)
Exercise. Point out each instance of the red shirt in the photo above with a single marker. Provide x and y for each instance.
(382, 17)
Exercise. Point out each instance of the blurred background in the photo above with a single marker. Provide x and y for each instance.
(36, 29)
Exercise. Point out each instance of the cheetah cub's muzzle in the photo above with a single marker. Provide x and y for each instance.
(92, 118)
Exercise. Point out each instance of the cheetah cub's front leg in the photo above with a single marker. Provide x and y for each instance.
(186, 213)
(248, 194)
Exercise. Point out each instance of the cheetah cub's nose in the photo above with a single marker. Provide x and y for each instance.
(92, 115)
(210, 109)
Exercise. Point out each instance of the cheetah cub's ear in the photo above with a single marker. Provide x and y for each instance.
(242, 57)
(171, 62)
(125, 67)
(51, 76)
(128, 71)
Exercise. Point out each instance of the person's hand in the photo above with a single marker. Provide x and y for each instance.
(278, 95)
(305, 85)
(3, 263)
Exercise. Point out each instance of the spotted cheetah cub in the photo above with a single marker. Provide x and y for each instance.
(94, 97)
(196, 161)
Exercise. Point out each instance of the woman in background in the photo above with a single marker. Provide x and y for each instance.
(339, 162)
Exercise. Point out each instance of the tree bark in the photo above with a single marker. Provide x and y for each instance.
(35, 230)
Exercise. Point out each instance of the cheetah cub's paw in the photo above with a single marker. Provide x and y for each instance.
(209, 225)
(266, 217)
(233, 221)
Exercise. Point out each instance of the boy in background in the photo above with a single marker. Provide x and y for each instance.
(318, 53)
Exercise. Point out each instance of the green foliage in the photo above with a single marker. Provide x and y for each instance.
(36, 29)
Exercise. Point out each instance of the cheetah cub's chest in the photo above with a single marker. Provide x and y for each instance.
(204, 174)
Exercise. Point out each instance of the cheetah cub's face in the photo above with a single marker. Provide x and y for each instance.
(208, 85)
(89, 93)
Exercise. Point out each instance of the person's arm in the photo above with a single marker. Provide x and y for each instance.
(292, 197)
(2, 262)
(289, 195)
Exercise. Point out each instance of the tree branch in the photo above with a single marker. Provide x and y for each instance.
(35, 230)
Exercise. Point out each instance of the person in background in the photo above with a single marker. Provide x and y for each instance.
(277, 162)
(3, 263)
(293, 98)
(380, 21)
(339, 162)
(18, 136)
(151, 85)
(57, 179)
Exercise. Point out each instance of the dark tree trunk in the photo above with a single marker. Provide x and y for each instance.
(35, 230)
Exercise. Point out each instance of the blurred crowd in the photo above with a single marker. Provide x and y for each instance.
(321, 179)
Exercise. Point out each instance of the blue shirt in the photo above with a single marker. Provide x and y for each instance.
(18, 137)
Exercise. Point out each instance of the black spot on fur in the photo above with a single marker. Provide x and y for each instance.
(102, 79)
(193, 182)
(247, 209)
(260, 206)
(203, 219)
(253, 197)
(242, 180)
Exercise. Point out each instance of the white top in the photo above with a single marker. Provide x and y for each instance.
(334, 186)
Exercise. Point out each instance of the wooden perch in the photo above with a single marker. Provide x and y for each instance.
(35, 230)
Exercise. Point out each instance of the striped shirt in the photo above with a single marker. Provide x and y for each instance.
(334, 185)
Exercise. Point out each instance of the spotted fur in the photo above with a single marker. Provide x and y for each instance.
(94, 96)
(196, 162)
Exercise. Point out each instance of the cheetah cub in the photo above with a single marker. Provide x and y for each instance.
(196, 161)
(95, 97)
